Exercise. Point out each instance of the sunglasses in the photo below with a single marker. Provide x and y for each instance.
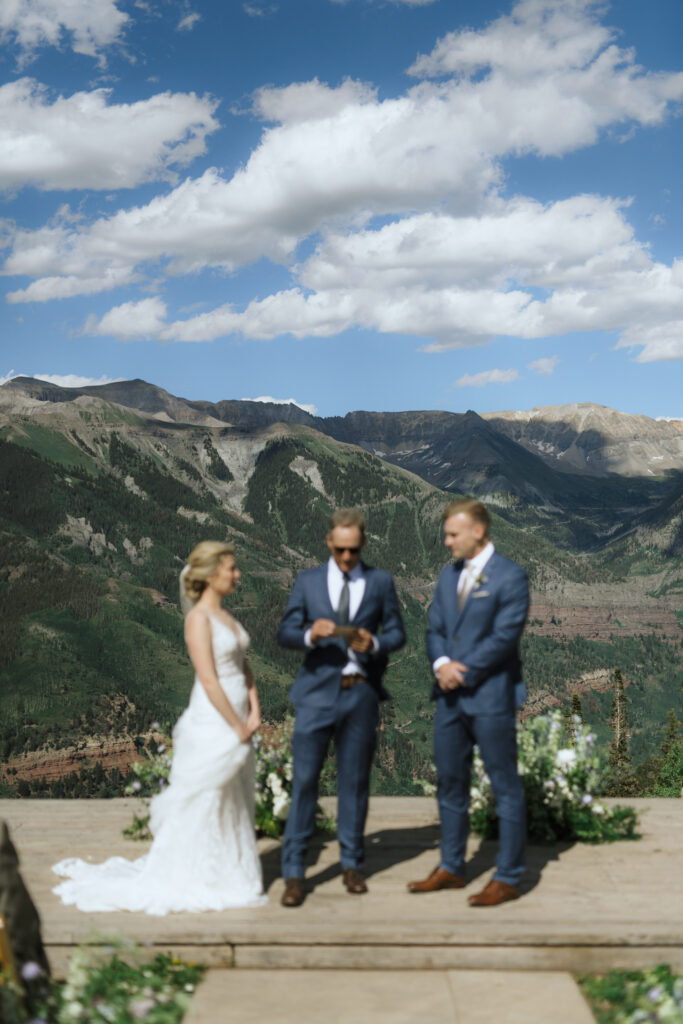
(351, 551)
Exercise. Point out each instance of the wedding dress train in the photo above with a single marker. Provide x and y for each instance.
(204, 854)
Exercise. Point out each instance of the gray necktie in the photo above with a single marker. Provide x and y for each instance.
(343, 609)
(466, 586)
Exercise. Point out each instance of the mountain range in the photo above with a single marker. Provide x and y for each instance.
(106, 488)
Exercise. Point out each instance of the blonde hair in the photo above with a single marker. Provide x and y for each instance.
(476, 510)
(348, 517)
(204, 561)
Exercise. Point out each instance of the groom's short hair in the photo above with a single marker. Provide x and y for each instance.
(476, 510)
(348, 517)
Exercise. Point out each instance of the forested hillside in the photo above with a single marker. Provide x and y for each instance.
(99, 506)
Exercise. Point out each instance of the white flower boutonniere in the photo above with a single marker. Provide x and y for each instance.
(479, 581)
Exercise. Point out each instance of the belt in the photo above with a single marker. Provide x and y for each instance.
(348, 681)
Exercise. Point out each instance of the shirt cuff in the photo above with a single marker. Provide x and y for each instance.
(375, 645)
(307, 638)
(443, 660)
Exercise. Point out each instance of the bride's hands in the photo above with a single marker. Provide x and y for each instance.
(245, 730)
(254, 720)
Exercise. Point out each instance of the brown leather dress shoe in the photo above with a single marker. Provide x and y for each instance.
(294, 893)
(494, 893)
(354, 881)
(438, 879)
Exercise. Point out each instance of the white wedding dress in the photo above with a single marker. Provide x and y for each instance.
(204, 854)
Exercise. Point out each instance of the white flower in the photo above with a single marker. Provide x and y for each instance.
(565, 758)
(289, 771)
(274, 784)
(586, 799)
(598, 809)
(281, 806)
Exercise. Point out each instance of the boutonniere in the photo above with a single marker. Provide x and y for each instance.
(479, 581)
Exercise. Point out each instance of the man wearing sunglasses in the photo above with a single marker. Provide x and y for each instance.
(345, 616)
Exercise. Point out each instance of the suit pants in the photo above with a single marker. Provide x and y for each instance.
(455, 735)
(352, 721)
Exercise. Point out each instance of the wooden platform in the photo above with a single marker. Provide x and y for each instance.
(585, 908)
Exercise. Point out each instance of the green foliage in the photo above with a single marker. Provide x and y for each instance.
(635, 997)
(30, 492)
(561, 785)
(120, 987)
(217, 467)
(662, 775)
(167, 490)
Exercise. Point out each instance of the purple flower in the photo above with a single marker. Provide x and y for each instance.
(31, 970)
(137, 786)
(586, 799)
(162, 783)
(655, 993)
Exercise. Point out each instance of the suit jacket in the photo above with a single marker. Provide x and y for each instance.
(484, 635)
(317, 683)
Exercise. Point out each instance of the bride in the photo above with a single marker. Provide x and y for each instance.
(204, 854)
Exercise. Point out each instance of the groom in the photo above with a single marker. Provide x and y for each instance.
(345, 617)
(475, 623)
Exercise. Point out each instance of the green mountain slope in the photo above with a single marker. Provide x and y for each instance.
(99, 506)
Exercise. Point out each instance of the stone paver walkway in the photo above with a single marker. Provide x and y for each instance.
(388, 997)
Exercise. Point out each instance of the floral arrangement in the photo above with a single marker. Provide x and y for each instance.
(562, 776)
(274, 773)
(151, 776)
(110, 985)
(273, 783)
(636, 997)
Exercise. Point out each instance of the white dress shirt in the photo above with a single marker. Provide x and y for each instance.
(471, 569)
(335, 582)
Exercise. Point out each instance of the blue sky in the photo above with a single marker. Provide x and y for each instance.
(355, 205)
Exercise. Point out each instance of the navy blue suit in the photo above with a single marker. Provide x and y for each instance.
(484, 635)
(324, 709)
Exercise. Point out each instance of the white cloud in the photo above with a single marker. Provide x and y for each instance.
(658, 342)
(480, 380)
(312, 409)
(259, 10)
(9, 376)
(187, 23)
(544, 367)
(83, 141)
(130, 321)
(408, 3)
(310, 101)
(457, 264)
(89, 25)
(74, 380)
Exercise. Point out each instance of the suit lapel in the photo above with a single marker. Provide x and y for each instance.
(368, 576)
(325, 593)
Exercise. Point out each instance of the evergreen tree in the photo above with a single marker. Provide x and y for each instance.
(576, 707)
(622, 781)
(571, 714)
(669, 781)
